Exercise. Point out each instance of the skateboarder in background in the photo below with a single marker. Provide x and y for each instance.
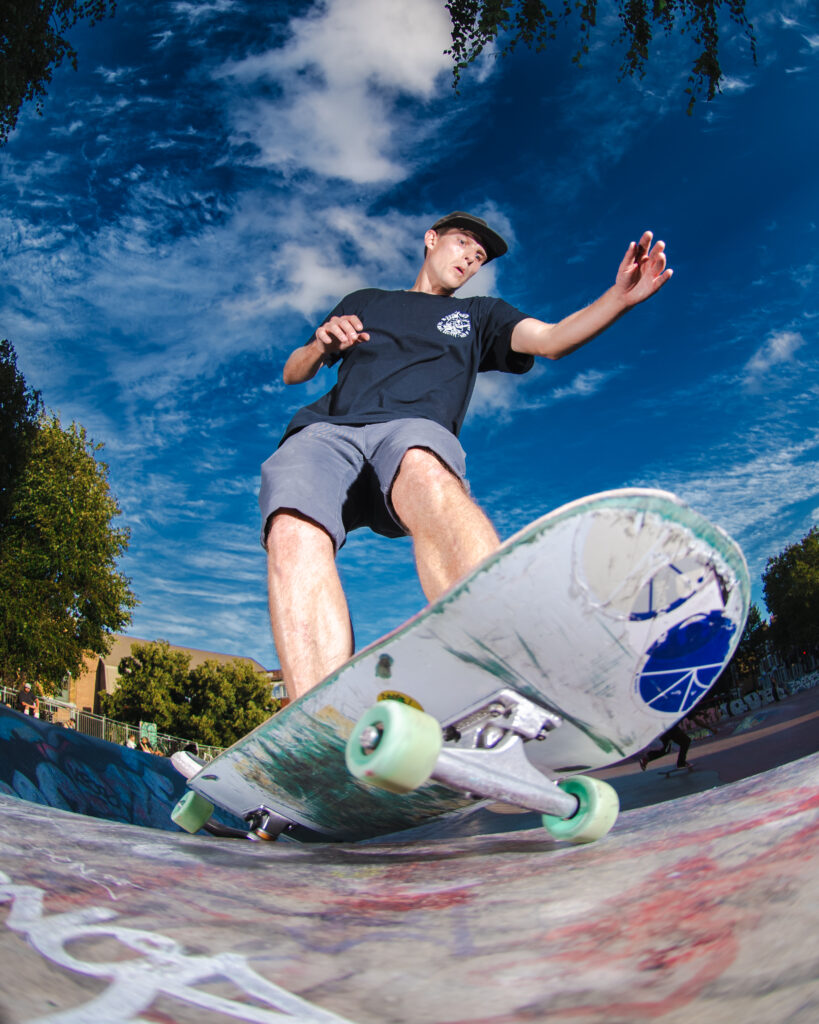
(381, 448)
(676, 734)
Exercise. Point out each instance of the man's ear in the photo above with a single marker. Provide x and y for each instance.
(430, 238)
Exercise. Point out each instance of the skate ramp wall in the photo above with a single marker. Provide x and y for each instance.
(60, 768)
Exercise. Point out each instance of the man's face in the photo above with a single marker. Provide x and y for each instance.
(453, 257)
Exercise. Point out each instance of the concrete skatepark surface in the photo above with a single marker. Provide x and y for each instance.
(701, 908)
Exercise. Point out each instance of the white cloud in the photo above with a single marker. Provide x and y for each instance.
(339, 74)
(779, 349)
(112, 76)
(732, 83)
(500, 395)
(585, 384)
(496, 396)
(196, 12)
(315, 282)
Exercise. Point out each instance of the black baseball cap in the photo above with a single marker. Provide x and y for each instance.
(491, 240)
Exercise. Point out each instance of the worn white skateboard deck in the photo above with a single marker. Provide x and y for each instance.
(616, 612)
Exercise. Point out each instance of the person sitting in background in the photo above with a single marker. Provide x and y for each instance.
(28, 702)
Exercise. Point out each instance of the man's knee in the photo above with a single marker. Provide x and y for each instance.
(292, 537)
(424, 481)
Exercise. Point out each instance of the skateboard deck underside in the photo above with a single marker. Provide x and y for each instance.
(616, 612)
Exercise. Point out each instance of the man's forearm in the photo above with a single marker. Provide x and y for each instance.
(553, 341)
(573, 331)
(303, 363)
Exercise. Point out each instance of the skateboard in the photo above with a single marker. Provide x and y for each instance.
(684, 769)
(579, 641)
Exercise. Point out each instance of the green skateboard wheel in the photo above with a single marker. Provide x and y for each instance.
(191, 812)
(595, 815)
(394, 747)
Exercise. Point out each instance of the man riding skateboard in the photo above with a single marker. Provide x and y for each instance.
(381, 448)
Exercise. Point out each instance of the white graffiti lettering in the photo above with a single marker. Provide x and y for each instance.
(162, 967)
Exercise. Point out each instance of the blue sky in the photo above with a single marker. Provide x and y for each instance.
(218, 174)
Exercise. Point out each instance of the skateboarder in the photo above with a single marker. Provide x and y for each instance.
(676, 734)
(381, 448)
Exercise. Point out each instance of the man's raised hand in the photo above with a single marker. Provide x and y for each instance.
(643, 270)
(341, 333)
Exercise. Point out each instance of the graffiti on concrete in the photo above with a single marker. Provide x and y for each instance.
(60, 768)
(57, 767)
(160, 967)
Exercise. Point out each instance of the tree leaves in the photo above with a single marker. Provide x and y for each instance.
(20, 409)
(479, 23)
(227, 701)
(61, 594)
(33, 45)
(213, 703)
(790, 583)
(152, 688)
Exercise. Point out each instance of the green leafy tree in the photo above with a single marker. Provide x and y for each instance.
(227, 701)
(152, 687)
(533, 23)
(747, 659)
(20, 410)
(61, 595)
(790, 584)
(213, 703)
(33, 45)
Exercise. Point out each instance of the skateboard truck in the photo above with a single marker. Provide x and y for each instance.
(506, 711)
(481, 754)
(266, 824)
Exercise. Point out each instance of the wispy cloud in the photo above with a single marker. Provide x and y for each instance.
(203, 9)
(500, 396)
(761, 489)
(585, 384)
(778, 350)
(733, 83)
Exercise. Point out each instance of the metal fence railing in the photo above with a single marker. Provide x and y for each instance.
(60, 712)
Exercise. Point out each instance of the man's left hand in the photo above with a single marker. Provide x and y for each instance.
(643, 270)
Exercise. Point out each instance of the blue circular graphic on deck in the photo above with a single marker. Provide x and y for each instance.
(683, 665)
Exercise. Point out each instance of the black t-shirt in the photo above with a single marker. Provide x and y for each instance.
(423, 356)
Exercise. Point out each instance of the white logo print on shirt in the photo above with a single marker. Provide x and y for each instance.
(457, 325)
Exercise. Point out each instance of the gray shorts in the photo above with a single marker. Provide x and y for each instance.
(341, 476)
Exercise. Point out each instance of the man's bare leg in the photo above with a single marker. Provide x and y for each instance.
(450, 533)
(308, 609)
